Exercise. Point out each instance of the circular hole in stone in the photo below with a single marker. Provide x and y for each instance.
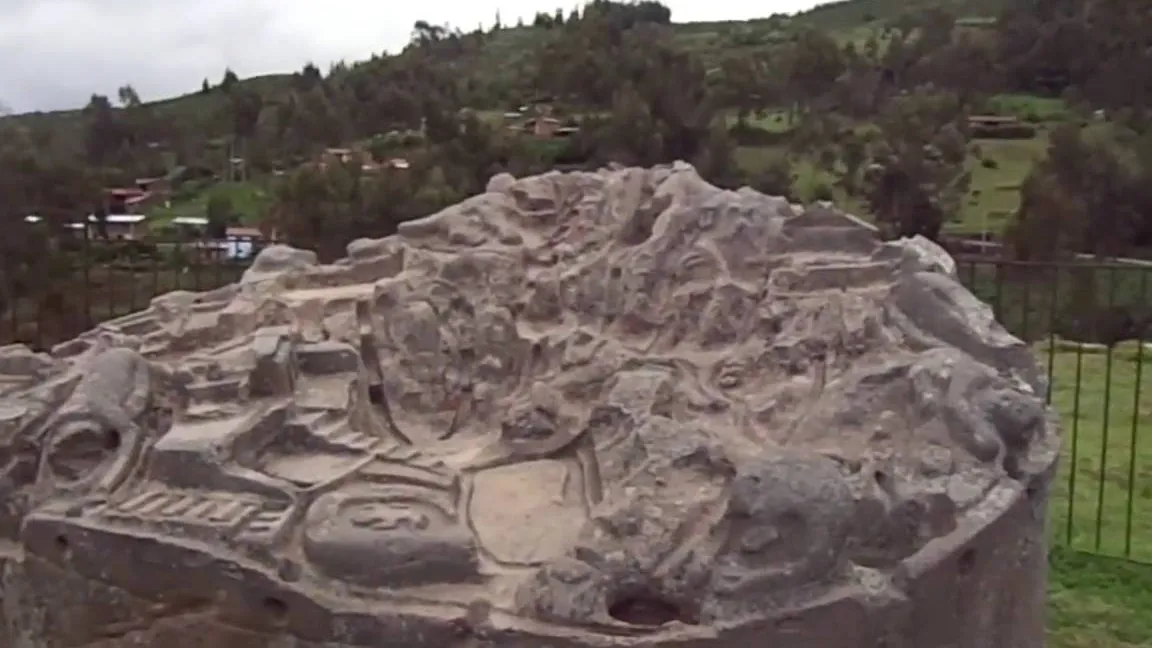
(646, 608)
(111, 440)
(276, 608)
(967, 562)
(62, 544)
(882, 479)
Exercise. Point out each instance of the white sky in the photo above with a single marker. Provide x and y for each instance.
(55, 53)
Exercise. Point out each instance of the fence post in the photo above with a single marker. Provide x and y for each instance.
(1133, 441)
(1108, 358)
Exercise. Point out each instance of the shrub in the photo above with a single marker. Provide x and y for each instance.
(821, 191)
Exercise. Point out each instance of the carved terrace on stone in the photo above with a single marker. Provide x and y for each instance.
(621, 408)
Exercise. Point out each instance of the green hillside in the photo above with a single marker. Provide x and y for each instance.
(505, 51)
(851, 14)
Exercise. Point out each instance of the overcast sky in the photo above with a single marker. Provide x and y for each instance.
(55, 53)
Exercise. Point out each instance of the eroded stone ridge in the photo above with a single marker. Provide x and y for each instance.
(585, 409)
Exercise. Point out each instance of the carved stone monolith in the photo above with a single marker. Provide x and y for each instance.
(622, 408)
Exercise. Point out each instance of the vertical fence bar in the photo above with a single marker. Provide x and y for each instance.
(86, 321)
(1133, 440)
(1075, 450)
(42, 295)
(998, 298)
(220, 257)
(1026, 304)
(1053, 309)
(13, 298)
(1108, 357)
(109, 280)
(133, 265)
(195, 265)
(156, 253)
(177, 264)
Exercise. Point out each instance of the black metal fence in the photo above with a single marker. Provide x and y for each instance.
(1088, 323)
(1091, 325)
(87, 281)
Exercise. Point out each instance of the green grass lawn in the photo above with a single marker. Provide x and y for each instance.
(1096, 601)
(250, 202)
(998, 168)
(1105, 487)
(1030, 107)
(994, 194)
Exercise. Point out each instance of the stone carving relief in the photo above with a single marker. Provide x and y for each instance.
(626, 402)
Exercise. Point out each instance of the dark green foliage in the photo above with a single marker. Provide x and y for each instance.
(1003, 131)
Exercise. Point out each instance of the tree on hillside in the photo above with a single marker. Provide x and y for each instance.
(128, 96)
(244, 107)
(220, 214)
(853, 156)
(325, 208)
(308, 78)
(425, 34)
(816, 62)
(745, 83)
(106, 133)
(1090, 194)
(916, 178)
(229, 81)
(775, 178)
(663, 110)
(35, 268)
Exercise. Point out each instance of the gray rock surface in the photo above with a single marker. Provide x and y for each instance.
(622, 408)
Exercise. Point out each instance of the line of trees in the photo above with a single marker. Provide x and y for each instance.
(886, 115)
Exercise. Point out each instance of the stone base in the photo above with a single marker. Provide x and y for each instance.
(981, 587)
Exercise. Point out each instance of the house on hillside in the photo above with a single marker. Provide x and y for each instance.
(544, 128)
(537, 118)
(368, 163)
(160, 187)
(346, 156)
(133, 200)
(189, 227)
(117, 227)
(542, 105)
(238, 243)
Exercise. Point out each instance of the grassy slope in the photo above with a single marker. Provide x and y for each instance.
(1107, 463)
(249, 200)
(1100, 602)
(506, 51)
(195, 106)
(995, 191)
(851, 14)
(510, 44)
